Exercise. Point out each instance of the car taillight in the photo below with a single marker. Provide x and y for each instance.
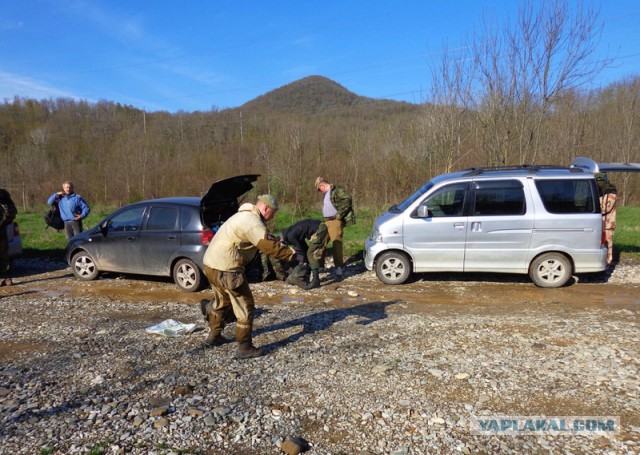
(603, 239)
(205, 236)
(16, 231)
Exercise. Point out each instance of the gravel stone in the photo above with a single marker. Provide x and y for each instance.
(351, 367)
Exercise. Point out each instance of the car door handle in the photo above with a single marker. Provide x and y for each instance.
(131, 239)
(171, 237)
(476, 226)
(458, 226)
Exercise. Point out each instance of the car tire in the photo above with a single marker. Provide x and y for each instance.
(187, 275)
(393, 268)
(84, 267)
(550, 270)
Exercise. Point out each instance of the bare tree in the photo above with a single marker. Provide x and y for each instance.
(523, 69)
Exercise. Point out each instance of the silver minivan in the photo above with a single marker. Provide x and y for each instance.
(543, 221)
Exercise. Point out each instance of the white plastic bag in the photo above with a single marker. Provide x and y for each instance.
(170, 328)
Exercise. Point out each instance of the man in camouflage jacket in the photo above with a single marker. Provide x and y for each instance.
(337, 211)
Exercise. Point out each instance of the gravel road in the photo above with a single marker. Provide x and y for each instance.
(352, 367)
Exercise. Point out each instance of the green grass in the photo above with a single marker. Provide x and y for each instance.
(626, 238)
(354, 235)
(40, 242)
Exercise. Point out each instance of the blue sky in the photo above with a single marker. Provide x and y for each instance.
(187, 55)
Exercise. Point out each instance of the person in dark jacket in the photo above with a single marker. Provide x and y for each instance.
(296, 236)
(73, 209)
(8, 214)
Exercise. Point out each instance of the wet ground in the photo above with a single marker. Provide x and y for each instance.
(493, 293)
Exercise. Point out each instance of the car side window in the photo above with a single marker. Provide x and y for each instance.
(447, 201)
(503, 197)
(567, 196)
(129, 220)
(162, 219)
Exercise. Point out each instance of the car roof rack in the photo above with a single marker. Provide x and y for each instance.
(530, 168)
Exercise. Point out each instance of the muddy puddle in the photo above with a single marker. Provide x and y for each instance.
(421, 296)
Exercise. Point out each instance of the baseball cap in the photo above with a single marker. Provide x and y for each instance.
(269, 200)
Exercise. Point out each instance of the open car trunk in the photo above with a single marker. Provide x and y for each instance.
(223, 199)
(588, 165)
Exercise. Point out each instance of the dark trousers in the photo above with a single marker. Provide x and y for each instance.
(72, 228)
(4, 253)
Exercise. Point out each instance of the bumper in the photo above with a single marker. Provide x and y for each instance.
(591, 262)
(371, 251)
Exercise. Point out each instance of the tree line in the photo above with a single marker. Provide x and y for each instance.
(513, 96)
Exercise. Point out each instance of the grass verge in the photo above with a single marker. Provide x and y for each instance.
(40, 241)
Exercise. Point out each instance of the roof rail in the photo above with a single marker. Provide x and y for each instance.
(532, 168)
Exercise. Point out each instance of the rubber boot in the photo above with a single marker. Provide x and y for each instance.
(216, 325)
(246, 349)
(299, 276)
(315, 279)
(205, 308)
(214, 341)
(279, 269)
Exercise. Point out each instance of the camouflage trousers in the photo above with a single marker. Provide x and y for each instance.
(609, 237)
(328, 230)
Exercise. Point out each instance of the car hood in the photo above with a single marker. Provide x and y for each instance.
(221, 200)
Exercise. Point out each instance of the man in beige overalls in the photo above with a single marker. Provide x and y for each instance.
(233, 247)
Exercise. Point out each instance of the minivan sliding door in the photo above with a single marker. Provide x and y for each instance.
(499, 228)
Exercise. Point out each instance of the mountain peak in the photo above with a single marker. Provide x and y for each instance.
(308, 95)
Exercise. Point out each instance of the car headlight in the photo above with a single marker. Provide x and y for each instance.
(375, 236)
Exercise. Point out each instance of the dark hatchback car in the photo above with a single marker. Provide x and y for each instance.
(160, 237)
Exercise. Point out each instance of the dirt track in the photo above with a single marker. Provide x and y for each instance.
(492, 292)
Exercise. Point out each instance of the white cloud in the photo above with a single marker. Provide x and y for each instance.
(12, 85)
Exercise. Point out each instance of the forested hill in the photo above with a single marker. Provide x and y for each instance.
(318, 94)
(380, 150)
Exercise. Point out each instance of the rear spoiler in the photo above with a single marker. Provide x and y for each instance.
(588, 165)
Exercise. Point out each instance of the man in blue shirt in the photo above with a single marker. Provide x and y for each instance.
(73, 209)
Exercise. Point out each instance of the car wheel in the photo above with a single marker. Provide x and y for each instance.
(84, 267)
(550, 270)
(187, 275)
(393, 268)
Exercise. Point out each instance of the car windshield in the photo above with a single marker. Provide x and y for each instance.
(411, 199)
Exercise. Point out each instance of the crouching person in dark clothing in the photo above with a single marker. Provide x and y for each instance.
(296, 236)
(233, 247)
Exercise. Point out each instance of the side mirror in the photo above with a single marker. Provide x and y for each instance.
(424, 212)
